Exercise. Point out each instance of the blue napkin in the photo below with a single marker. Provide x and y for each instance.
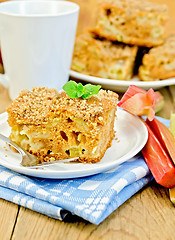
(93, 198)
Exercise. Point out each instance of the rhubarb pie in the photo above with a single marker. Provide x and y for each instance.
(159, 62)
(105, 59)
(53, 126)
(134, 22)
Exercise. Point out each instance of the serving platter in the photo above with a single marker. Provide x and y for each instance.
(120, 85)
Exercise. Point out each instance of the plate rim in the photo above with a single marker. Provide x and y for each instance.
(34, 172)
(122, 83)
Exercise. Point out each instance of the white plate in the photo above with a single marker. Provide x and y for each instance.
(131, 136)
(119, 85)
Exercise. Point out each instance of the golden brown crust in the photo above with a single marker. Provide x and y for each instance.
(131, 21)
(159, 62)
(52, 126)
(103, 58)
(42, 104)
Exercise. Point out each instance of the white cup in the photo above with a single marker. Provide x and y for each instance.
(36, 41)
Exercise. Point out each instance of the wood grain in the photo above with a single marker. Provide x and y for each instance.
(4, 99)
(148, 215)
(8, 215)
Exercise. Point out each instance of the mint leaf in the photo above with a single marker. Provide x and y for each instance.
(79, 89)
(90, 90)
(75, 90)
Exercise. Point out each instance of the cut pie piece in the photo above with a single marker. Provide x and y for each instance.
(101, 58)
(134, 22)
(159, 62)
(52, 126)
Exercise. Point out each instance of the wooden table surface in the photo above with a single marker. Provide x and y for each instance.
(149, 214)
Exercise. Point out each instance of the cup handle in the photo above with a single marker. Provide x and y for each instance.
(3, 80)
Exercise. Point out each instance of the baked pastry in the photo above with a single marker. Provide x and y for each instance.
(101, 58)
(159, 62)
(52, 126)
(131, 21)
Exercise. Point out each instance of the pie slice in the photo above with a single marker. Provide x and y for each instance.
(53, 126)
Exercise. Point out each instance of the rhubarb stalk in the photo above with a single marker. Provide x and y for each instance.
(172, 129)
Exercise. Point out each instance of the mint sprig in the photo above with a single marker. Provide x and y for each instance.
(77, 90)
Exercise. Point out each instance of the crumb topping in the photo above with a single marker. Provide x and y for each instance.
(41, 104)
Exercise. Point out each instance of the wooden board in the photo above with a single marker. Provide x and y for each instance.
(148, 215)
